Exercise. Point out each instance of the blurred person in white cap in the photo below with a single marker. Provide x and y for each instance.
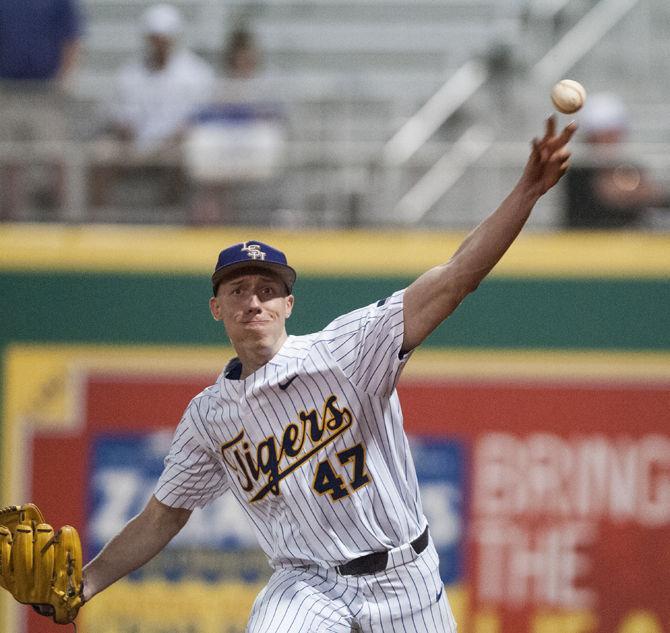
(153, 98)
(156, 93)
(606, 189)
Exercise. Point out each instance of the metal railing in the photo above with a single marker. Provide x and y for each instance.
(343, 166)
(416, 203)
(580, 39)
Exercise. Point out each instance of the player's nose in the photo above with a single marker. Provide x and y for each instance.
(254, 302)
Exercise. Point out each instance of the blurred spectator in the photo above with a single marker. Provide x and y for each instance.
(154, 97)
(156, 94)
(39, 47)
(234, 148)
(608, 190)
(241, 55)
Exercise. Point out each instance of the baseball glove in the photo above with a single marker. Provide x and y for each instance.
(38, 566)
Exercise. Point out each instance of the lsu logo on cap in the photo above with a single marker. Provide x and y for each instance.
(253, 251)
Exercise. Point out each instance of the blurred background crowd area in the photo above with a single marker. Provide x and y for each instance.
(327, 113)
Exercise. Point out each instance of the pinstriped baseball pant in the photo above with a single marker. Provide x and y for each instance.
(407, 597)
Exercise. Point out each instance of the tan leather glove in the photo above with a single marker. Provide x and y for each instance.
(38, 566)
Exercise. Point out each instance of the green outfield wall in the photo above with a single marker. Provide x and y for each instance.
(149, 286)
(153, 308)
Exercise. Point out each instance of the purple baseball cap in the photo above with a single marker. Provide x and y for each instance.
(252, 254)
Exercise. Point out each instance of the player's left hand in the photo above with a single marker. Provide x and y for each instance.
(40, 566)
(549, 158)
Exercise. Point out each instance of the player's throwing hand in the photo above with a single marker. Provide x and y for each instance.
(549, 158)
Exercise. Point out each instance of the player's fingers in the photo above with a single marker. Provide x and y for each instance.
(561, 155)
(536, 149)
(562, 139)
(568, 132)
(562, 158)
(550, 129)
(541, 150)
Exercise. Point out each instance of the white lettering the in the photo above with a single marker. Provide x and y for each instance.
(524, 567)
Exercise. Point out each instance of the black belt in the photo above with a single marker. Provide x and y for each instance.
(377, 561)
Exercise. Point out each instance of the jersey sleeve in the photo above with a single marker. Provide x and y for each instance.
(193, 474)
(366, 344)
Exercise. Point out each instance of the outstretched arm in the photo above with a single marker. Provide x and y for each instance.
(137, 543)
(439, 291)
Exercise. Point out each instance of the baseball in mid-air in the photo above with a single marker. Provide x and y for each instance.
(568, 96)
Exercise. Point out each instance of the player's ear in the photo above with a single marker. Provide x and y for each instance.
(215, 308)
(289, 305)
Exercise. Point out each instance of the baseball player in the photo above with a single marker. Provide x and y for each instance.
(307, 433)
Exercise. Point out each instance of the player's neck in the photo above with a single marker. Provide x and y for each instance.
(253, 354)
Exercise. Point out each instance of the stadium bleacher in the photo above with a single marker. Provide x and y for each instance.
(355, 71)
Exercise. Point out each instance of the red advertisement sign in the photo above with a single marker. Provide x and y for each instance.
(566, 513)
(569, 503)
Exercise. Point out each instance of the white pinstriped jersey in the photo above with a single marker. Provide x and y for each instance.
(311, 444)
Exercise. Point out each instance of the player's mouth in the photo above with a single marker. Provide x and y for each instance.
(255, 323)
